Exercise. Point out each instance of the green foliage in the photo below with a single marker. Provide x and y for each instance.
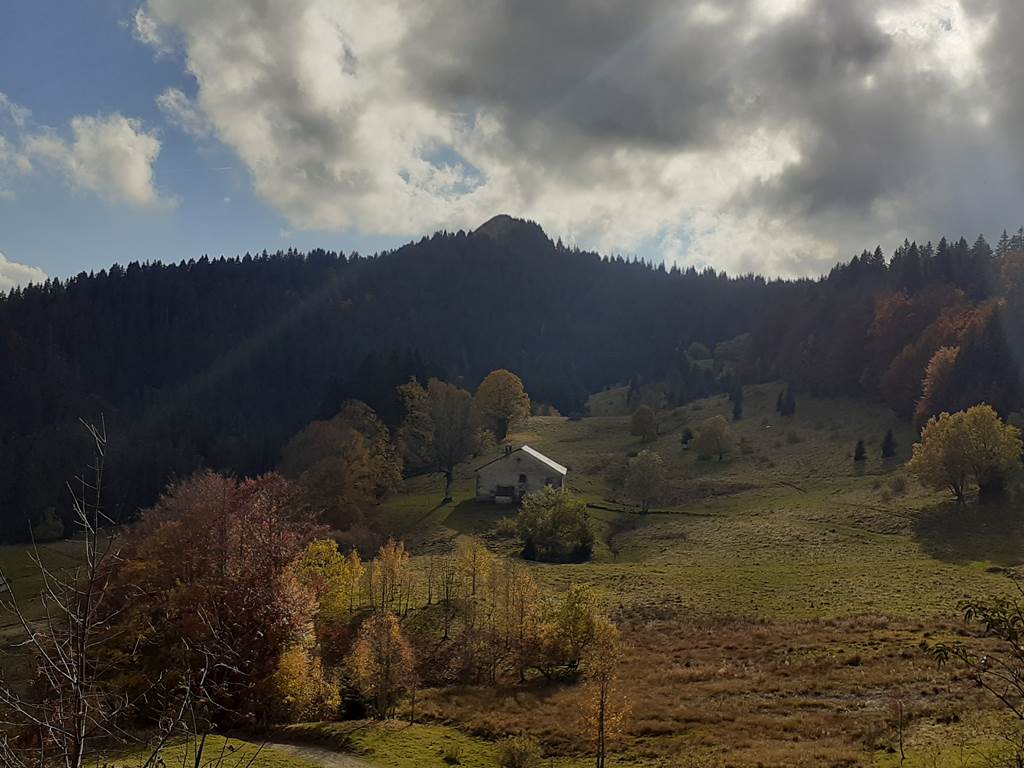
(554, 527)
(645, 476)
(715, 438)
(964, 449)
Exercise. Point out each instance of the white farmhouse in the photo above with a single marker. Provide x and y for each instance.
(515, 473)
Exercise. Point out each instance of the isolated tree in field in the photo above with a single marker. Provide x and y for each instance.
(501, 402)
(888, 445)
(964, 449)
(604, 706)
(686, 437)
(644, 424)
(382, 663)
(714, 438)
(860, 453)
(554, 527)
(645, 476)
(438, 427)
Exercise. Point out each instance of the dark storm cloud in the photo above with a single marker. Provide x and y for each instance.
(573, 79)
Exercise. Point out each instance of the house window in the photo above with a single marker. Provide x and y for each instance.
(522, 478)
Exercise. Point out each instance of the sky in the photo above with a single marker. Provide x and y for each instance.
(769, 136)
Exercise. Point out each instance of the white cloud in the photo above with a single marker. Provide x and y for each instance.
(13, 274)
(622, 126)
(110, 155)
(146, 31)
(181, 111)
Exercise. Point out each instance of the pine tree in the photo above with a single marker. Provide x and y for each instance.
(888, 445)
(1003, 246)
(860, 452)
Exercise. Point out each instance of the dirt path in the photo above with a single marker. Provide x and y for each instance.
(327, 758)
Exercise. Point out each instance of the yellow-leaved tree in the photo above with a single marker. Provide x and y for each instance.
(501, 402)
(306, 691)
(382, 663)
(966, 449)
(604, 706)
(715, 438)
(334, 580)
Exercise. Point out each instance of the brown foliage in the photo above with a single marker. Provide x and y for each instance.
(344, 466)
(202, 574)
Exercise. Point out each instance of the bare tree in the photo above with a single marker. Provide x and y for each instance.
(995, 663)
(66, 706)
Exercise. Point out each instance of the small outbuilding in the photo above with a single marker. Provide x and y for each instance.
(517, 472)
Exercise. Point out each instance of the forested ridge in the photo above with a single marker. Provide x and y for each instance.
(218, 362)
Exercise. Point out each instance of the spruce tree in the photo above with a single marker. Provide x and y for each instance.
(860, 453)
(888, 445)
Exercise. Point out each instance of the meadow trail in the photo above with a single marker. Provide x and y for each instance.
(322, 756)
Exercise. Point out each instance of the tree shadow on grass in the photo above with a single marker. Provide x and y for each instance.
(992, 531)
(474, 517)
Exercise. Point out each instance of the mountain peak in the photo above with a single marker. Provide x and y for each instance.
(507, 228)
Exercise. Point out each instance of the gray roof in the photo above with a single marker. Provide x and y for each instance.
(531, 452)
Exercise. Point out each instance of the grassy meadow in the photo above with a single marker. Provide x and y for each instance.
(778, 605)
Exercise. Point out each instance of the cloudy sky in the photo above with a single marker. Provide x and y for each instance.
(774, 136)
